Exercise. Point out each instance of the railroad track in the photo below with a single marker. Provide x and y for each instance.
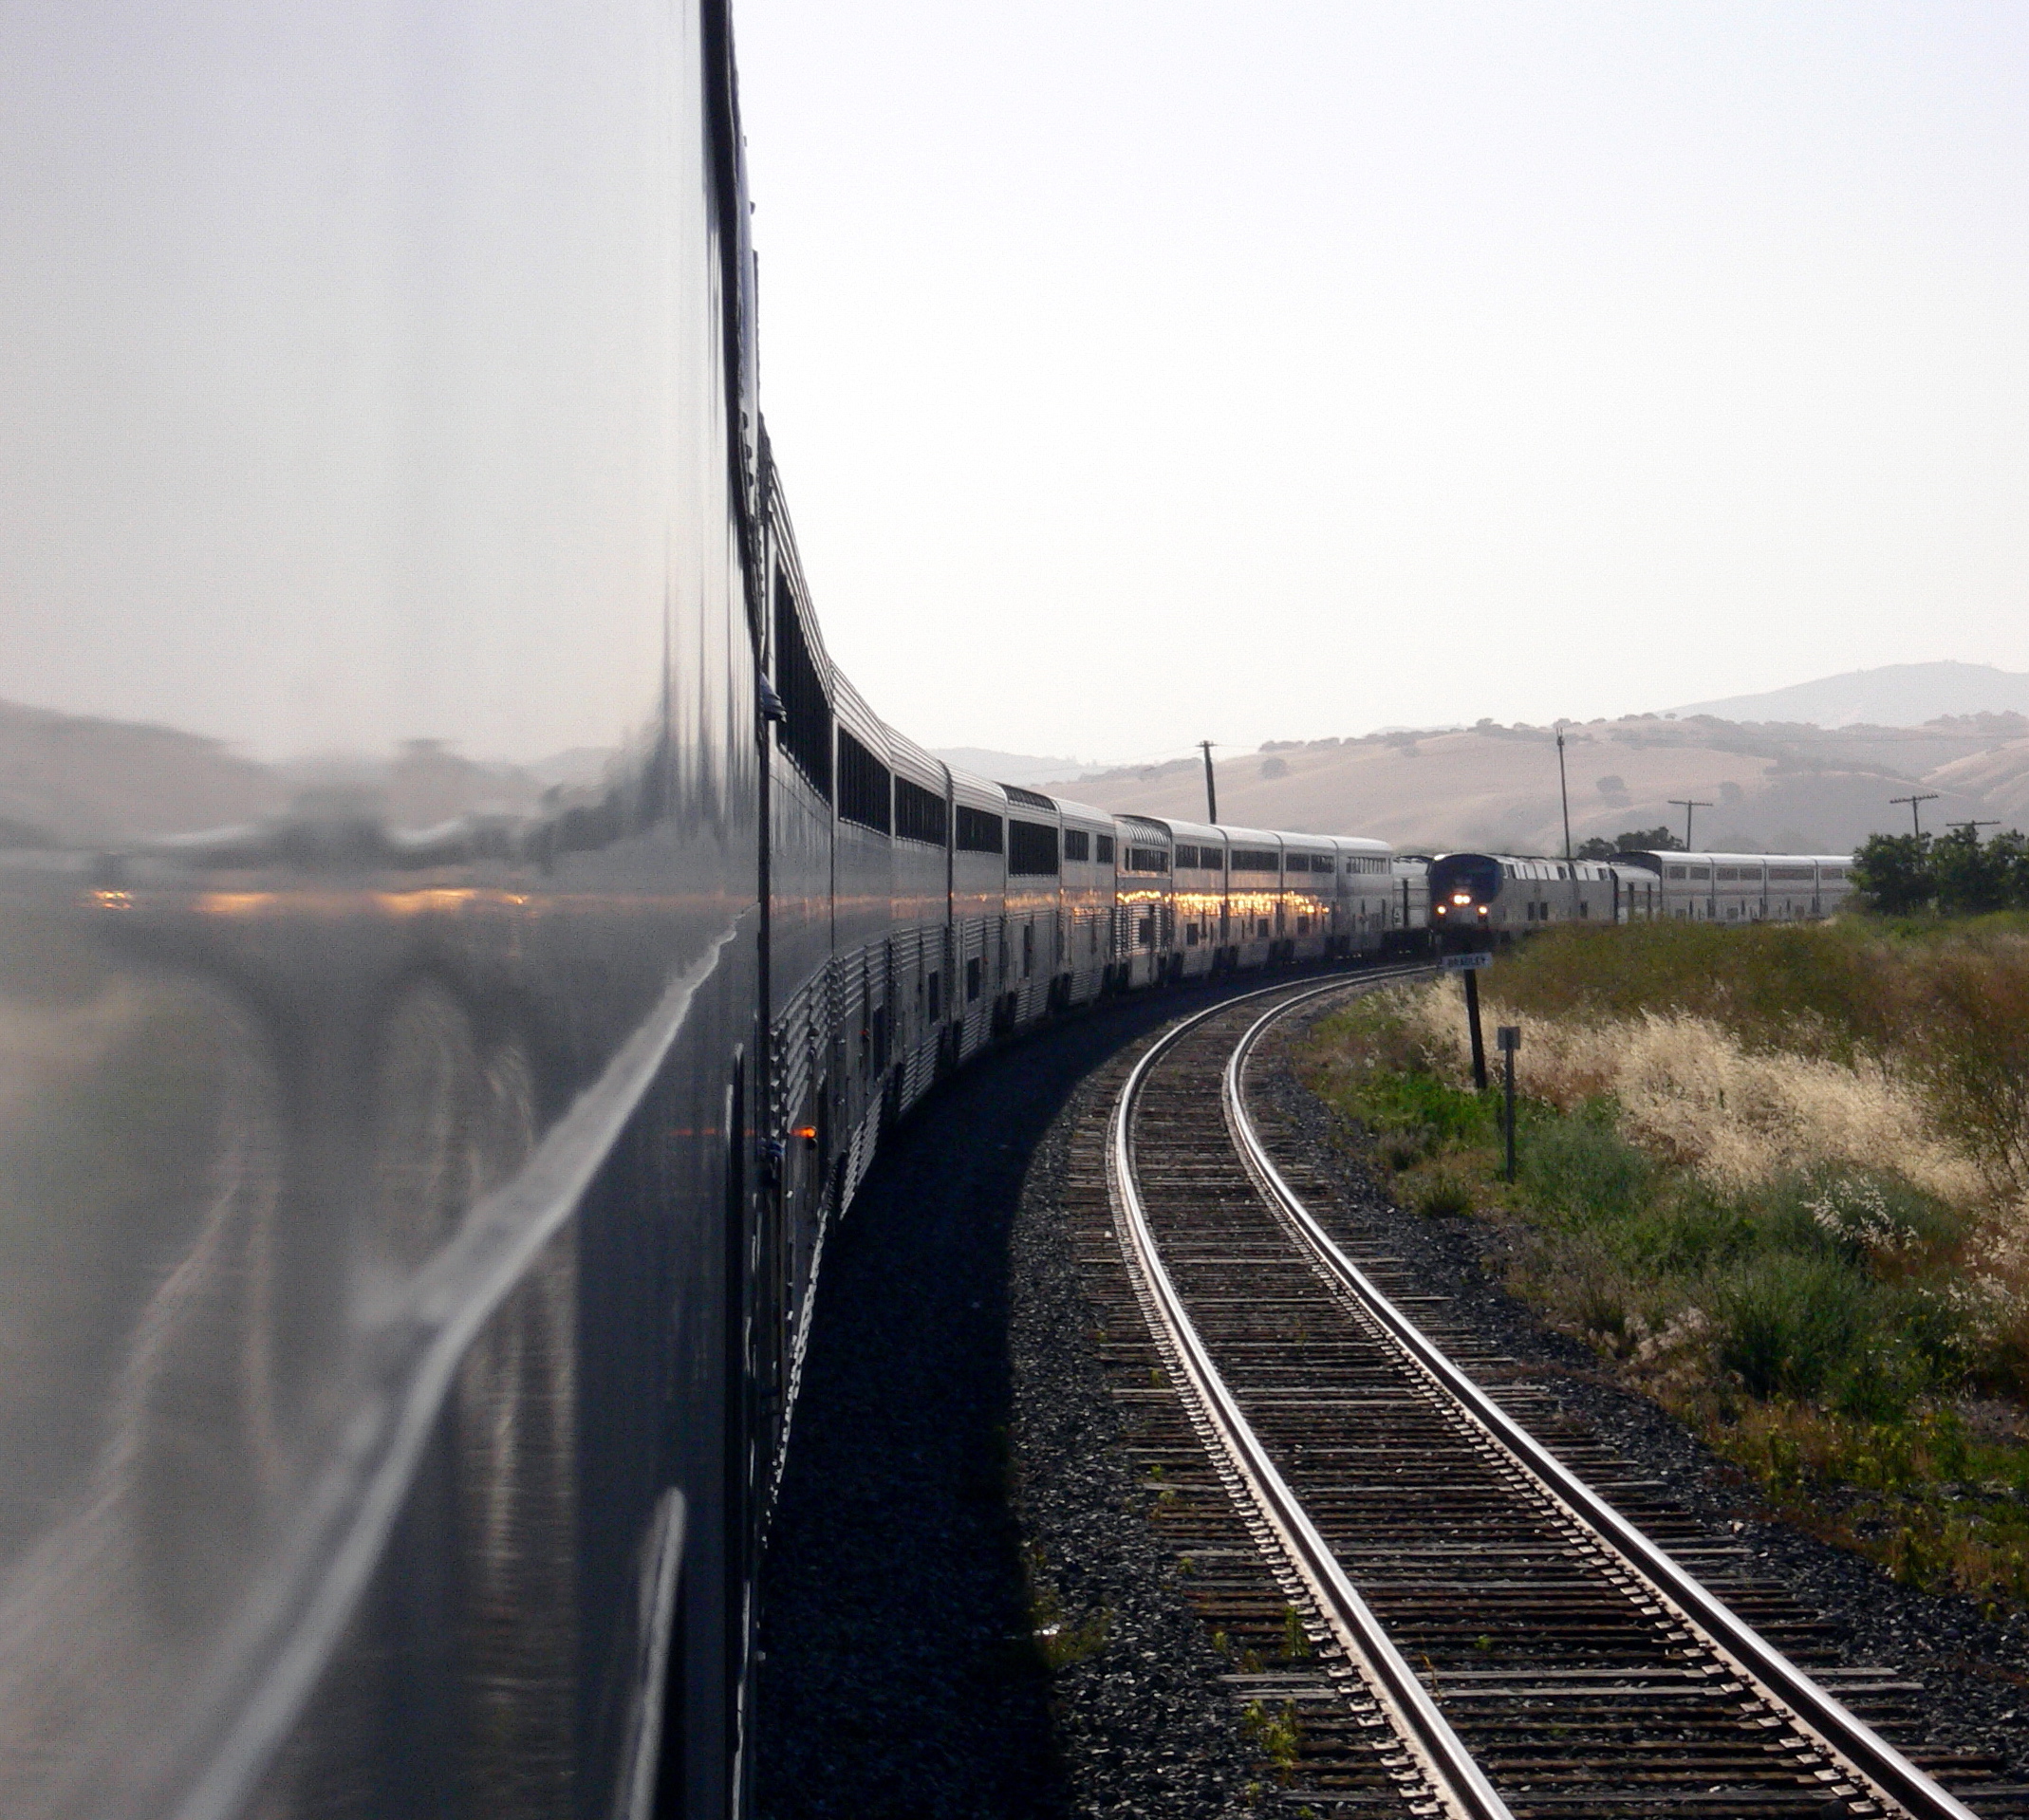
(1428, 1610)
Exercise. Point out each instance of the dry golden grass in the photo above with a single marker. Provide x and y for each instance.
(1692, 1093)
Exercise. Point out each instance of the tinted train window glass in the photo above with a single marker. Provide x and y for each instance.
(863, 785)
(1295, 861)
(1255, 859)
(1187, 856)
(972, 979)
(979, 830)
(1212, 859)
(1677, 872)
(806, 734)
(1146, 858)
(1032, 850)
(1103, 848)
(1029, 798)
(919, 814)
(1077, 843)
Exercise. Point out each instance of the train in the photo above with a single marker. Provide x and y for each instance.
(412, 1202)
(1469, 898)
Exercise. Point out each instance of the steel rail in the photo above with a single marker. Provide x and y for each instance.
(1787, 1688)
(1455, 1779)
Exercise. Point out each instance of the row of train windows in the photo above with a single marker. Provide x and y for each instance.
(1081, 843)
(1752, 874)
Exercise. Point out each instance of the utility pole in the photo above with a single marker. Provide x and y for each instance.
(1571, 871)
(1211, 789)
(1972, 827)
(1916, 822)
(1687, 804)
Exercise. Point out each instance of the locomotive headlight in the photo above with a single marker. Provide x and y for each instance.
(1461, 897)
(1482, 909)
(1442, 908)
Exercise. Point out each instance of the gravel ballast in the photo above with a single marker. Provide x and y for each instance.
(955, 1482)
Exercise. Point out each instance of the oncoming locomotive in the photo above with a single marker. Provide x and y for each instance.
(413, 1170)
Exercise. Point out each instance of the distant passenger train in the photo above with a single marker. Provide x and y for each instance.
(1500, 895)
(409, 1214)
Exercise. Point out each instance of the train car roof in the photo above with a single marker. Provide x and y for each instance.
(976, 792)
(1099, 820)
(1197, 832)
(1672, 857)
(915, 763)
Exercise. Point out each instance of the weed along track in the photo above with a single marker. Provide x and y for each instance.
(1425, 1610)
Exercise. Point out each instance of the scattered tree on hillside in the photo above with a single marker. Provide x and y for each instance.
(1634, 840)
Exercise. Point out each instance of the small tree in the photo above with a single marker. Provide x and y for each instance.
(1971, 877)
(1633, 840)
(1892, 872)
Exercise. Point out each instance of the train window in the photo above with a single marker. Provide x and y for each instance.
(1729, 871)
(1303, 925)
(1145, 932)
(979, 830)
(807, 732)
(1190, 934)
(864, 788)
(1032, 850)
(1103, 848)
(972, 979)
(1295, 861)
(1255, 859)
(1212, 859)
(1077, 843)
(1145, 859)
(1187, 856)
(1029, 798)
(1701, 872)
(920, 814)
(1678, 872)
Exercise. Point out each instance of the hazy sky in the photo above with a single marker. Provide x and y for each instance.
(1144, 373)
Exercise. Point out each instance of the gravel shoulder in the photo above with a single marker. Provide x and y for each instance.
(957, 1482)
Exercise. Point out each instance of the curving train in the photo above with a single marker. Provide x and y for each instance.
(411, 1202)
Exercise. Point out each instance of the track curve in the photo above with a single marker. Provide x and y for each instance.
(1569, 1666)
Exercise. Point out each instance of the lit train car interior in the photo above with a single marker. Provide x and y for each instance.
(1088, 899)
(1253, 895)
(1310, 896)
(1142, 894)
(1197, 897)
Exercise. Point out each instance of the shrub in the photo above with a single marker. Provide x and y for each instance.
(1790, 1325)
(1583, 1168)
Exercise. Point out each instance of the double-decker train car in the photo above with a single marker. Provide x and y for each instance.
(1747, 887)
(461, 936)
